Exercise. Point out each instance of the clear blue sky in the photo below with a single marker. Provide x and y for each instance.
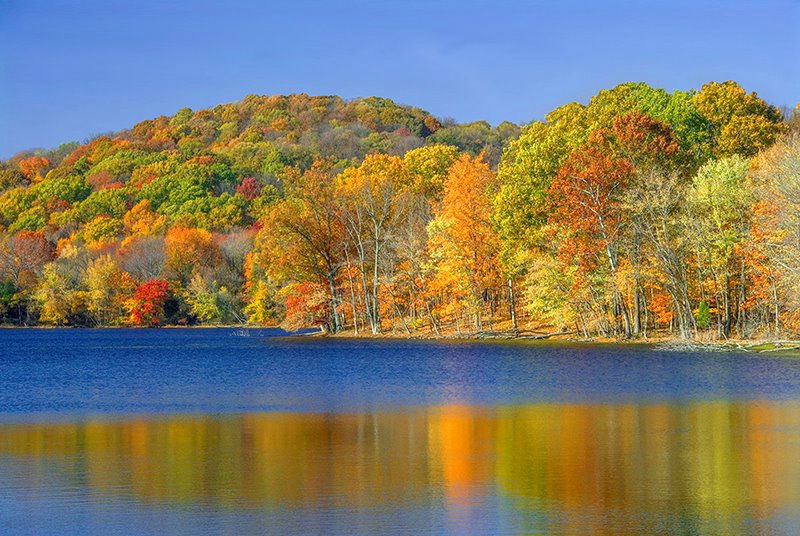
(71, 69)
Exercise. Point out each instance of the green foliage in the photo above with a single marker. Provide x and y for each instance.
(169, 192)
(69, 188)
(221, 213)
(14, 202)
(7, 292)
(703, 317)
(121, 164)
(111, 203)
(103, 229)
(32, 219)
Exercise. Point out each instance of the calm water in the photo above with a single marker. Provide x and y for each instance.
(201, 432)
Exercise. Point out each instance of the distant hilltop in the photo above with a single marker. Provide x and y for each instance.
(299, 127)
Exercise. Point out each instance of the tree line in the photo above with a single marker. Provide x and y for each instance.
(642, 212)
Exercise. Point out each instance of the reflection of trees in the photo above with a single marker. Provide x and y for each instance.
(574, 468)
(285, 459)
(598, 467)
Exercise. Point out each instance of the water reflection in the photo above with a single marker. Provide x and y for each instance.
(698, 468)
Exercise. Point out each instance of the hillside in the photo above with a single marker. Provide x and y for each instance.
(214, 169)
(641, 211)
(199, 156)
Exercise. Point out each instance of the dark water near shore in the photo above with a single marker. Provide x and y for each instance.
(201, 432)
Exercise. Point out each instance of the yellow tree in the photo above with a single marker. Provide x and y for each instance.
(462, 234)
(141, 220)
(722, 204)
(741, 122)
(261, 307)
(428, 167)
(108, 290)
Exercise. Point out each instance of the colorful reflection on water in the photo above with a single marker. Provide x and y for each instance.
(704, 467)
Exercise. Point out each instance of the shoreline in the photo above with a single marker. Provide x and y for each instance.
(663, 343)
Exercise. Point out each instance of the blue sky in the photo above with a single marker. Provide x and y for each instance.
(71, 69)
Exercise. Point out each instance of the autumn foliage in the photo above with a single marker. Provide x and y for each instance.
(641, 212)
(147, 304)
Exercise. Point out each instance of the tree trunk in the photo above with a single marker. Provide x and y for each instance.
(742, 321)
(376, 322)
(777, 309)
(334, 301)
(352, 293)
(512, 306)
(726, 327)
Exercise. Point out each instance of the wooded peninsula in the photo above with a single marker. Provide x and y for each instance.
(641, 214)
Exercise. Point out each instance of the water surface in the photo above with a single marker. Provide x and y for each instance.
(200, 431)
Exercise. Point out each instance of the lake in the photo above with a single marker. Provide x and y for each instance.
(205, 431)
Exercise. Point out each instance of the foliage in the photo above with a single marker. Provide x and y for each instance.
(703, 317)
(146, 307)
(640, 211)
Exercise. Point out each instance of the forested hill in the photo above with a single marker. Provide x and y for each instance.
(260, 135)
(190, 166)
(214, 170)
(211, 150)
(639, 211)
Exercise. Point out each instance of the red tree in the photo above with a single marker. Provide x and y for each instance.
(147, 304)
(585, 197)
(249, 188)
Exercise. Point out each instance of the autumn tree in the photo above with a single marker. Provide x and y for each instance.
(462, 235)
(33, 167)
(741, 122)
(374, 196)
(306, 305)
(61, 297)
(141, 220)
(142, 256)
(108, 289)
(586, 207)
(428, 167)
(775, 233)
(187, 248)
(262, 307)
(652, 148)
(146, 307)
(23, 257)
(24, 251)
(303, 237)
(721, 206)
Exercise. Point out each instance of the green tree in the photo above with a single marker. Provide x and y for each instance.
(703, 316)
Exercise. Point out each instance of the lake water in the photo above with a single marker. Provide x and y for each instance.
(128, 432)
